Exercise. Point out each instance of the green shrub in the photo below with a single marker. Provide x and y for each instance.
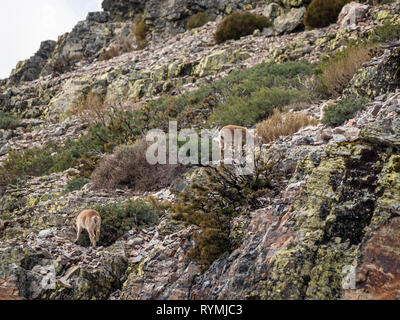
(386, 32)
(337, 114)
(251, 95)
(198, 20)
(76, 184)
(213, 201)
(8, 121)
(246, 111)
(119, 218)
(240, 24)
(322, 13)
(51, 158)
(243, 98)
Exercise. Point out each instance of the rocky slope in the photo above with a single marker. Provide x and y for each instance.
(332, 232)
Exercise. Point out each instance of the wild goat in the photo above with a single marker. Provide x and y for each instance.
(325, 107)
(89, 220)
(228, 133)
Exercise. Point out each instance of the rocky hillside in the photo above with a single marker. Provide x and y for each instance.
(320, 219)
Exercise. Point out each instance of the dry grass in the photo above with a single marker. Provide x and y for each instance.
(140, 31)
(337, 72)
(91, 108)
(279, 125)
(110, 53)
(123, 45)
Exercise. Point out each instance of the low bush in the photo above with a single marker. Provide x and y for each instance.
(128, 167)
(91, 108)
(8, 121)
(213, 202)
(336, 115)
(246, 111)
(121, 217)
(322, 13)
(75, 184)
(251, 95)
(240, 24)
(140, 31)
(123, 45)
(198, 20)
(336, 72)
(83, 153)
(279, 125)
(244, 97)
(110, 53)
(30, 162)
(388, 31)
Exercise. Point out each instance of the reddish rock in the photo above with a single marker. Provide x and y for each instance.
(9, 290)
(378, 274)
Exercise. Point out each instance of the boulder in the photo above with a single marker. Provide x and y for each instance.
(31, 69)
(290, 21)
(273, 10)
(352, 14)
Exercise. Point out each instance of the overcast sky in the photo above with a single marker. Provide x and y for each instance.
(24, 24)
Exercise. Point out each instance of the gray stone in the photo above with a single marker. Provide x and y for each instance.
(268, 32)
(272, 11)
(5, 149)
(352, 14)
(31, 69)
(45, 234)
(290, 21)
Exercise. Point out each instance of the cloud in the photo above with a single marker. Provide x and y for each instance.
(24, 24)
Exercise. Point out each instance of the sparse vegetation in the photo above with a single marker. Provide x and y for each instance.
(123, 45)
(240, 24)
(83, 153)
(213, 202)
(388, 31)
(336, 72)
(121, 217)
(76, 184)
(337, 114)
(91, 108)
(128, 167)
(198, 20)
(8, 121)
(279, 125)
(322, 13)
(252, 95)
(140, 31)
(110, 53)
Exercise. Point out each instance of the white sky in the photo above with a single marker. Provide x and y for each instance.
(24, 24)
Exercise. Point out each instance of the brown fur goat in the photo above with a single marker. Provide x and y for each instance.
(89, 220)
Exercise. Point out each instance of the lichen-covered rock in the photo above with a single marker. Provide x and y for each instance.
(171, 16)
(377, 79)
(290, 21)
(273, 10)
(351, 14)
(385, 133)
(165, 273)
(219, 61)
(32, 68)
(86, 41)
(9, 290)
(295, 3)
